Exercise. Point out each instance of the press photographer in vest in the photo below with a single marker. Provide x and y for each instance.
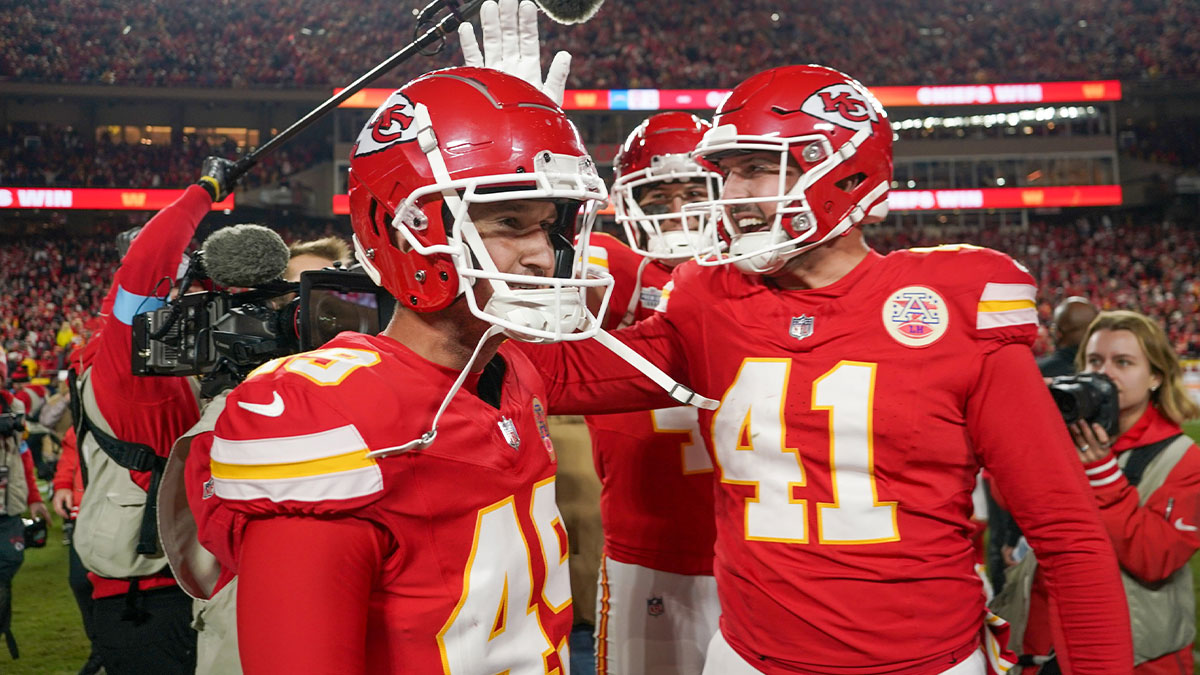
(126, 426)
(18, 490)
(1146, 479)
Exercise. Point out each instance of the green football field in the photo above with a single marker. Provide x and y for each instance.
(46, 619)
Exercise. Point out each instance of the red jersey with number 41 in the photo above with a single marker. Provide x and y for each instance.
(476, 579)
(853, 419)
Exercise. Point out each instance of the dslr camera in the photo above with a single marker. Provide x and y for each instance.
(1087, 396)
(11, 423)
(222, 335)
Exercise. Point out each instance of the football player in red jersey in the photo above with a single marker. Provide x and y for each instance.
(860, 394)
(365, 540)
(656, 607)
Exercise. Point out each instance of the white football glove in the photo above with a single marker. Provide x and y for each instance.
(511, 45)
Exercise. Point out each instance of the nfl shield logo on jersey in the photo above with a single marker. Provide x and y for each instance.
(510, 432)
(802, 326)
(654, 607)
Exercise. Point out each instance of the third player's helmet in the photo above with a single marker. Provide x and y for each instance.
(457, 137)
(828, 125)
(659, 150)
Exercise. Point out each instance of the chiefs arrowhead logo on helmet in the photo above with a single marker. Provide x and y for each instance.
(842, 105)
(393, 123)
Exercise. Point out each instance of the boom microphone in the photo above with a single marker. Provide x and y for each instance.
(570, 11)
(244, 255)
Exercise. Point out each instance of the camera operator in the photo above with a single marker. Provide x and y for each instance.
(18, 490)
(1146, 479)
(126, 427)
(316, 254)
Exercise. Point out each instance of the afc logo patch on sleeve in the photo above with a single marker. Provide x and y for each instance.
(539, 416)
(391, 124)
(844, 106)
(915, 316)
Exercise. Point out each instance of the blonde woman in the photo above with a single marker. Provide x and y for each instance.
(1147, 485)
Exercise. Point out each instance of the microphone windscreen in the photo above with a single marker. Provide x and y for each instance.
(244, 255)
(570, 11)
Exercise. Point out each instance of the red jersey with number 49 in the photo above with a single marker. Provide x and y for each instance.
(853, 420)
(657, 495)
(475, 579)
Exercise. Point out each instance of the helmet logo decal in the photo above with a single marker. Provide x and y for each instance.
(392, 123)
(382, 128)
(845, 105)
(842, 105)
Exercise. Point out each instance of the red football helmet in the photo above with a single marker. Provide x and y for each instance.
(462, 136)
(828, 125)
(659, 150)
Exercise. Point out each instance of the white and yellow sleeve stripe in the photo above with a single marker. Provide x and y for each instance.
(1007, 305)
(597, 257)
(326, 465)
(666, 296)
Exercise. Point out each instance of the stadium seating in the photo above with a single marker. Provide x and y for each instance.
(312, 43)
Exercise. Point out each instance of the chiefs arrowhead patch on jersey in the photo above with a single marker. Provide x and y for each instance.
(393, 123)
(842, 105)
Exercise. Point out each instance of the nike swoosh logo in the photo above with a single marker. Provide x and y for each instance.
(272, 409)
(1183, 527)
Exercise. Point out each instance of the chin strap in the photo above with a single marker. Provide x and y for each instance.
(631, 310)
(674, 389)
(426, 439)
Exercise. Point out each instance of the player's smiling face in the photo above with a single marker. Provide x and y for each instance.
(517, 235)
(669, 197)
(754, 174)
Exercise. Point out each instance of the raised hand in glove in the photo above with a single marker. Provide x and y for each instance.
(511, 45)
(218, 176)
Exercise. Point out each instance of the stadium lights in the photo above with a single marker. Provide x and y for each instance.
(1046, 114)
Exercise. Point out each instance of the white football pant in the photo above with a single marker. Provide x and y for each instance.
(722, 660)
(653, 623)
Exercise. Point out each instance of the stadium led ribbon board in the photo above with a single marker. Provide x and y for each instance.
(1004, 198)
(957, 200)
(890, 97)
(94, 199)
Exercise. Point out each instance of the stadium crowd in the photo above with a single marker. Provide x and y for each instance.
(61, 156)
(1150, 266)
(53, 287)
(711, 44)
(57, 283)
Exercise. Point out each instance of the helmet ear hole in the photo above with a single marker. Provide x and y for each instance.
(373, 216)
(848, 183)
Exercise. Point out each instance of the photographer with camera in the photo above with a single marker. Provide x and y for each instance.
(126, 425)
(1124, 411)
(18, 490)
